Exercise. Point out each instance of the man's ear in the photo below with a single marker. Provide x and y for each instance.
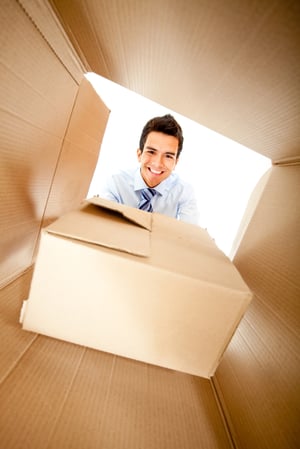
(139, 154)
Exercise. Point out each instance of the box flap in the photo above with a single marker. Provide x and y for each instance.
(98, 222)
(141, 218)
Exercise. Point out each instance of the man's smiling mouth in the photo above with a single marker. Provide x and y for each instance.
(155, 172)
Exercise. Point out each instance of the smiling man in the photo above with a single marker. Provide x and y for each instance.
(154, 186)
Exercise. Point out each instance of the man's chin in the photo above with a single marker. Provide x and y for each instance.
(151, 179)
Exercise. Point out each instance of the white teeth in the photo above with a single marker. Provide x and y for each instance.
(155, 172)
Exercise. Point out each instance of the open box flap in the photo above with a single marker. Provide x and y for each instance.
(142, 219)
(98, 222)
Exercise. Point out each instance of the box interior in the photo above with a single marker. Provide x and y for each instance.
(233, 68)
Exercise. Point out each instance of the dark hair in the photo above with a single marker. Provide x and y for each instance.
(165, 124)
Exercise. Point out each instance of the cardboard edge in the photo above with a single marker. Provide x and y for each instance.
(110, 246)
(140, 218)
(59, 228)
(234, 328)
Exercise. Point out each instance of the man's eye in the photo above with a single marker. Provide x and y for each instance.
(170, 156)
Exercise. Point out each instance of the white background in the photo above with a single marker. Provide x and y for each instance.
(223, 172)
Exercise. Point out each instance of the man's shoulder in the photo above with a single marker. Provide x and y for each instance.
(119, 185)
(176, 180)
(124, 174)
(125, 171)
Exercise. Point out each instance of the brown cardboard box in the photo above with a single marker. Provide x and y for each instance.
(233, 68)
(139, 285)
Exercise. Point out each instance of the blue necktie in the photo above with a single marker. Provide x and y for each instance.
(146, 197)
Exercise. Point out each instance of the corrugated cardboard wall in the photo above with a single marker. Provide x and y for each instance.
(231, 66)
(37, 96)
(42, 157)
(79, 153)
(258, 379)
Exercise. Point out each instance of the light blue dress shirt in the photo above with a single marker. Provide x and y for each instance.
(174, 196)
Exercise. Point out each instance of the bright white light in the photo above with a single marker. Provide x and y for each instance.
(223, 172)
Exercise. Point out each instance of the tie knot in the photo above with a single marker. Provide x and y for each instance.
(148, 193)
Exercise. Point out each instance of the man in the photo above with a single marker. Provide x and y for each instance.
(154, 186)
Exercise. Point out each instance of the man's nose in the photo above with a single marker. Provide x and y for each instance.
(158, 160)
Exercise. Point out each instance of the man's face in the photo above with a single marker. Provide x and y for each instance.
(159, 157)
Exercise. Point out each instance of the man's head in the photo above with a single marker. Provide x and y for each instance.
(160, 146)
(166, 125)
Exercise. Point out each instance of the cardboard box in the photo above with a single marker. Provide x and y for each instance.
(56, 394)
(140, 285)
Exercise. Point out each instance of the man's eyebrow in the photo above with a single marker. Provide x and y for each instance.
(171, 153)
